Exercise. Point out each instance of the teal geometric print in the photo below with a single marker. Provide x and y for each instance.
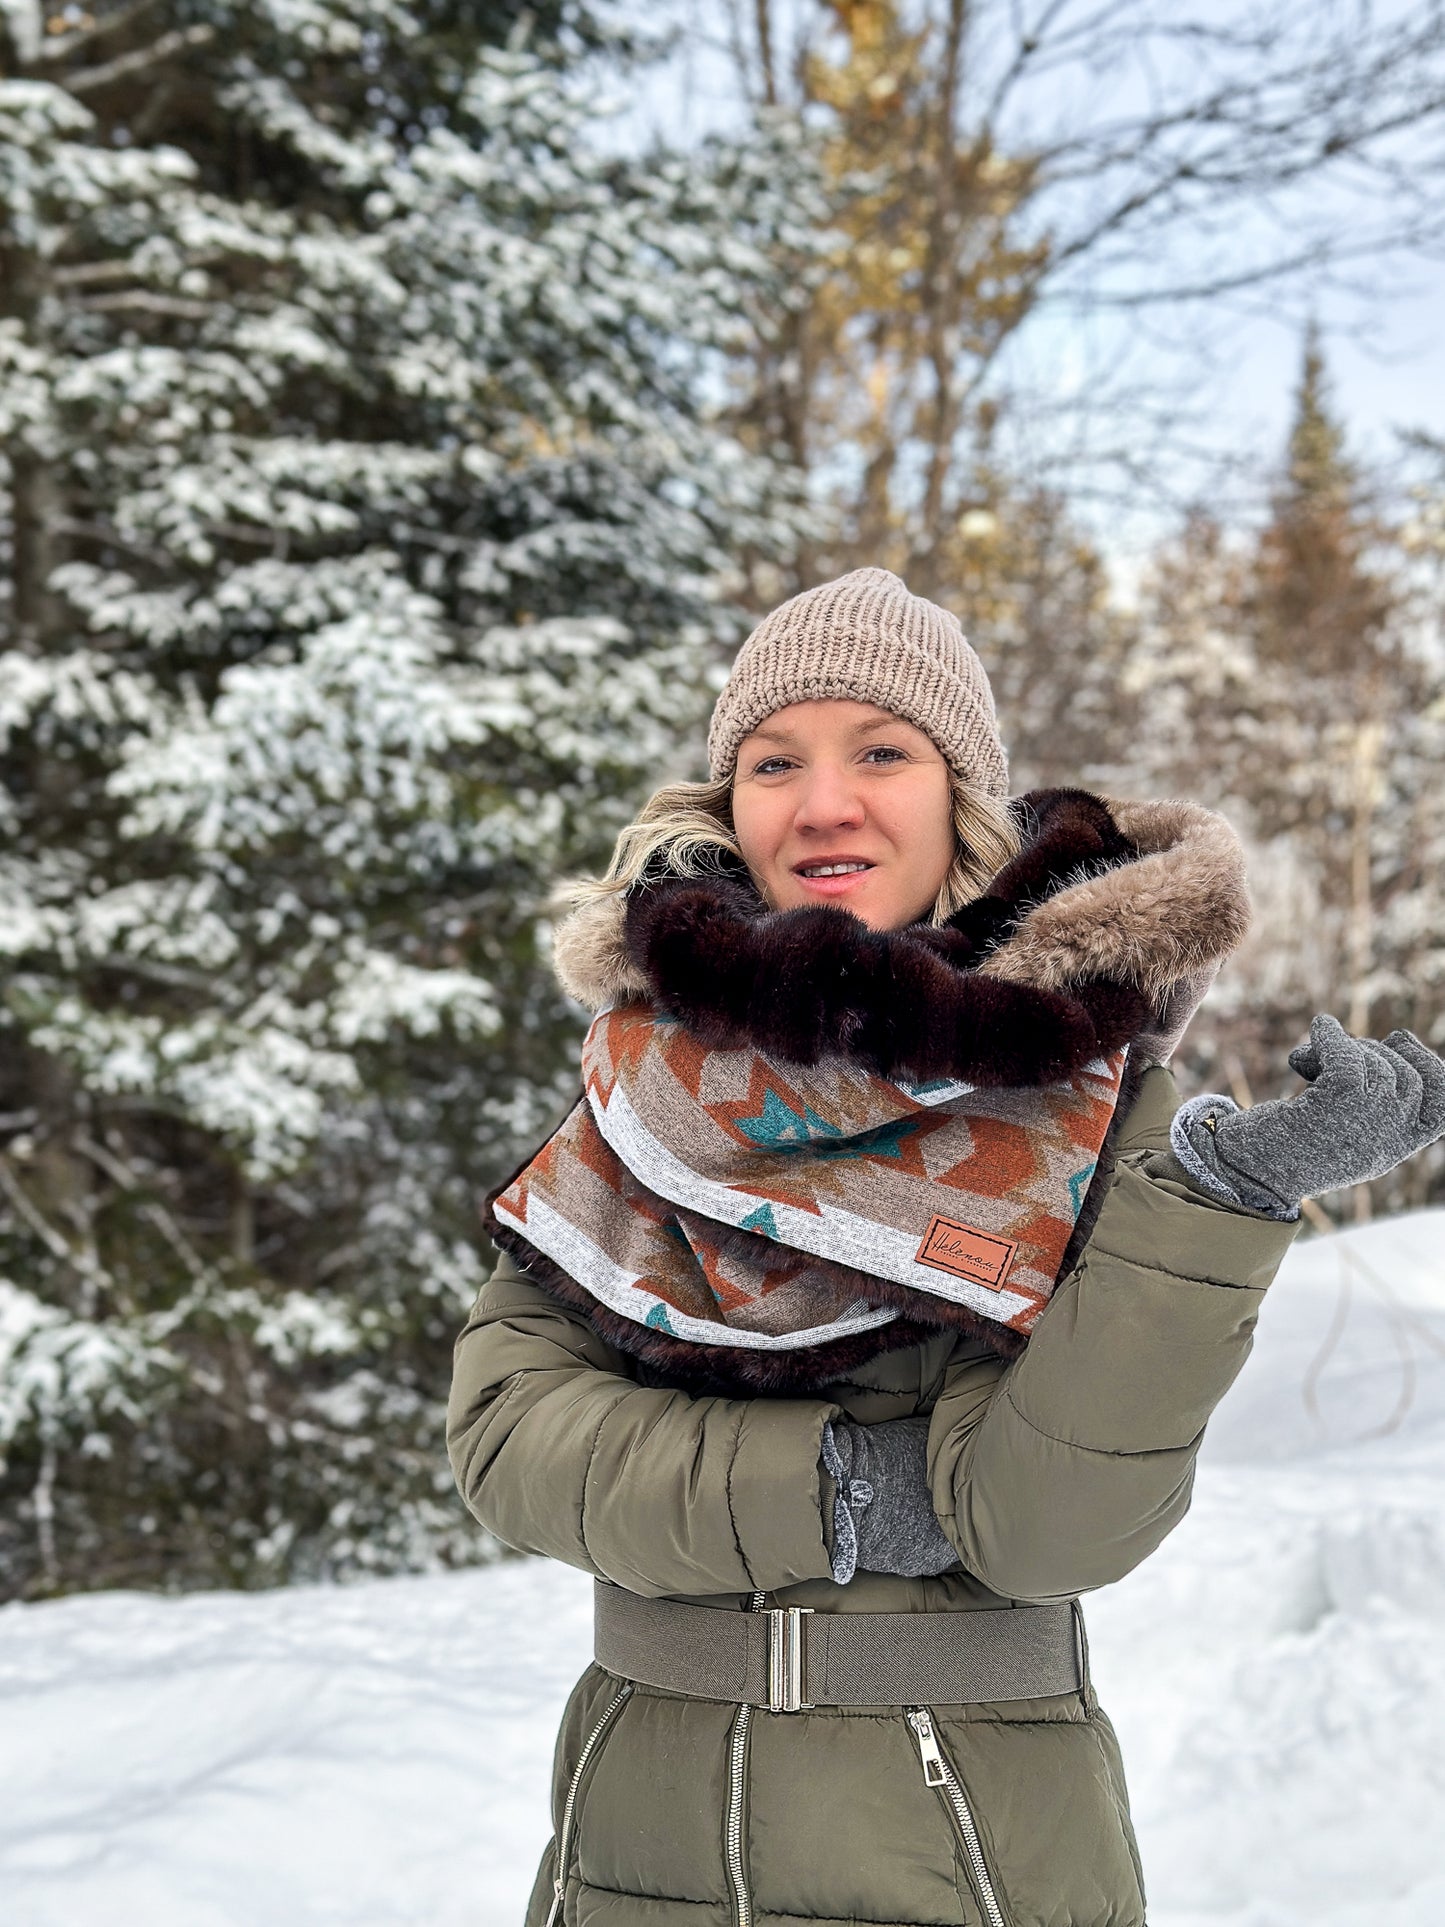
(763, 1222)
(778, 1127)
(1079, 1184)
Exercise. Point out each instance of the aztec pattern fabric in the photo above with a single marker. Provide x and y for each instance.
(721, 1197)
(802, 1142)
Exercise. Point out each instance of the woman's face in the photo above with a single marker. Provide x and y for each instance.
(840, 802)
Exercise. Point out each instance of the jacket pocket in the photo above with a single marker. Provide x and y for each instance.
(588, 1752)
(940, 1773)
(1048, 1804)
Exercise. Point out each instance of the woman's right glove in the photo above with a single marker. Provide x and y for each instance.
(883, 1517)
(1367, 1108)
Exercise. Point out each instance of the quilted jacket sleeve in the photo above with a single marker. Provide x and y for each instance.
(1062, 1471)
(558, 1450)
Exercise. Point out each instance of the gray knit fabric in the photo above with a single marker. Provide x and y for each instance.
(1200, 1118)
(1368, 1107)
(883, 1517)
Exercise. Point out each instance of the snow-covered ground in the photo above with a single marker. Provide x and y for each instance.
(379, 1754)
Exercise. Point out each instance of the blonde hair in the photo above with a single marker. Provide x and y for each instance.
(682, 827)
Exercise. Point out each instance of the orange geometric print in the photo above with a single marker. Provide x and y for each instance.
(684, 1056)
(1003, 1160)
(629, 1035)
(589, 1147)
(1042, 1241)
(538, 1171)
(1087, 1124)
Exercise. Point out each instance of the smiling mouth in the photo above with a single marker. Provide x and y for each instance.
(847, 868)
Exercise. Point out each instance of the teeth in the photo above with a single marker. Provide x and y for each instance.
(834, 869)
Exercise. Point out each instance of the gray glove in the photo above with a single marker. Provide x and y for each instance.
(1368, 1107)
(883, 1517)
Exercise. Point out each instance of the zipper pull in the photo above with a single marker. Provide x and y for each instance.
(934, 1772)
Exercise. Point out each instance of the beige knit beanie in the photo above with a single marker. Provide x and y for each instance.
(865, 638)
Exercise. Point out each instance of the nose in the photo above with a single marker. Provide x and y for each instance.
(830, 800)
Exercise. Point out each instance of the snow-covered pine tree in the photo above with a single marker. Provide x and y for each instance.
(364, 552)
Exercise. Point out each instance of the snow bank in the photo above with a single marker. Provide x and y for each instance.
(1277, 1671)
(367, 1754)
(379, 1754)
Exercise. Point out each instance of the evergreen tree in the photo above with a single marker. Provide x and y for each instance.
(1289, 680)
(364, 553)
(1317, 604)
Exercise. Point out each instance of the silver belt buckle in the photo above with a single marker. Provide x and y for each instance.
(787, 1659)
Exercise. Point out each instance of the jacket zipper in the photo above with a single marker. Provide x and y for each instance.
(564, 1838)
(737, 1755)
(937, 1772)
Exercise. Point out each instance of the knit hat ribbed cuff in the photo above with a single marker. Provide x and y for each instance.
(864, 638)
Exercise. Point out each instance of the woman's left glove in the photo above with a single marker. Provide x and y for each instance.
(1368, 1107)
(883, 1517)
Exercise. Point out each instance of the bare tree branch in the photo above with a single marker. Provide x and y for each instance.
(764, 13)
(90, 80)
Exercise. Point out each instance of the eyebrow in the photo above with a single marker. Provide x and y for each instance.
(881, 721)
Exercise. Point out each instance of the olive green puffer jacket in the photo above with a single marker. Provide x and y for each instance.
(1052, 1475)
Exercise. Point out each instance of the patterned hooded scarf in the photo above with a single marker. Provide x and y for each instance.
(802, 1142)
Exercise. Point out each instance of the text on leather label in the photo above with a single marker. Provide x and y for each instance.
(965, 1253)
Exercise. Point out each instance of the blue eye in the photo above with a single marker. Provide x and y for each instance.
(886, 751)
(770, 766)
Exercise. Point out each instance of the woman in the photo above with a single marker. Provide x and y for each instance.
(871, 1305)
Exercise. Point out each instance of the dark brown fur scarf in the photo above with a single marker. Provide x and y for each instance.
(814, 982)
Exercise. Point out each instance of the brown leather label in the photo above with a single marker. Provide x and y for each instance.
(965, 1253)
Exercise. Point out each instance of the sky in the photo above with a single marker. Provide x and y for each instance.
(1384, 340)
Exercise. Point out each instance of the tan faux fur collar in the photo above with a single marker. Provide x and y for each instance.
(1164, 922)
(1180, 908)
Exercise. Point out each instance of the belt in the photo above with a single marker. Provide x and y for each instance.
(791, 1657)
